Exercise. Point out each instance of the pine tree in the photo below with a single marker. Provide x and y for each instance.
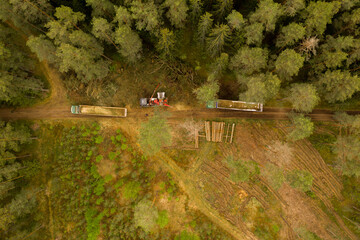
(217, 39)
(319, 14)
(249, 60)
(291, 7)
(303, 97)
(100, 7)
(302, 127)
(146, 15)
(166, 43)
(102, 29)
(154, 134)
(338, 86)
(254, 34)
(267, 13)
(288, 64)
(290, 34)
(130, 43)
(177, 12)
(235, 20)
(123, 16)
(43, 48)
(32, 11)
(204, 27)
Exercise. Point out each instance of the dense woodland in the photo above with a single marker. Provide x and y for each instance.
(296, 53)
(271, 49)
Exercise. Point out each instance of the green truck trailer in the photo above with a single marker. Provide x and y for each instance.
(99, 110)
(235, 105)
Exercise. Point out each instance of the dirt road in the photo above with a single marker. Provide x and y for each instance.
(57, 106)
(61, 110)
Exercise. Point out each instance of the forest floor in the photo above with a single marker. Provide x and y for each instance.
(205, 179)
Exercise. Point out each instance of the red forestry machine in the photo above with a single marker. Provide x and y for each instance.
(159, 101)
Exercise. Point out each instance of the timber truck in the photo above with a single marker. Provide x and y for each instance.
(235, 105)
(99, 111)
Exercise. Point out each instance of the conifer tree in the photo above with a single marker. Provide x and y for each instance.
(217, 39)
(129, 41)
(249, 60)
(302, 127)
(176, 12)
(235, 20)
(146, 15)
(223, 7)
(290, 34)
(319, 14)
(303, 97)
(288, 64)
(267, 13)
(204, 27)
(254, 34)
(166, 43)
(338, 86)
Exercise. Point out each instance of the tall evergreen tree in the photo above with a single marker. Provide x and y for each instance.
(319, 14)
(166, 43)
(338, 86)
(129, 42)
(267, 13)
(288, 64)
(204, 27)
(249, 60)
(302, 127)
(146, 15)
(303, 97)
(218, 36)
(254, 34)
(290, 34)
(176, 12)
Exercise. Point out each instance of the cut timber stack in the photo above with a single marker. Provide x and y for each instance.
(214, 132)
(207, 131)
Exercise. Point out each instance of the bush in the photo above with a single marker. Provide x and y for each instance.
(300, 179)
(145, 215)
(163, 219)
(131, 190)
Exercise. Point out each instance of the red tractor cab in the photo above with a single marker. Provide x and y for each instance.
(159, 101)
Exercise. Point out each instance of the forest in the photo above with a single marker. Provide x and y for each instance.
(136, 178)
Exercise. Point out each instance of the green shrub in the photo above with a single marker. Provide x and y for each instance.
(145, 215)
(184, 235)
(99, 139)
(163, 219)
(92, 223)
(99, 158)
(131, 190)
(300, 179)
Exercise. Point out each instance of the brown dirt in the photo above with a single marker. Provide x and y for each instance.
(256, 140)
(176, 211)
(107, 167)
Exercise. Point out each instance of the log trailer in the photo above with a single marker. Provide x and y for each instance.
(99, 111)
(235, 105)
